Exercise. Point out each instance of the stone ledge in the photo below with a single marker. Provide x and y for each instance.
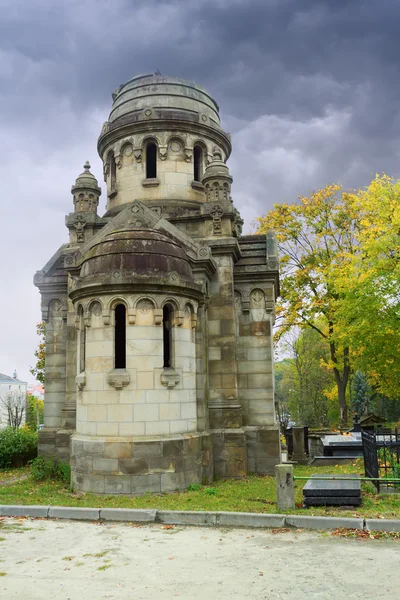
(24, 511)
(214, 519)
(304, 522)
(382, 525)
(177, 517)
(137, 515)
(234, 519)
(68, 512)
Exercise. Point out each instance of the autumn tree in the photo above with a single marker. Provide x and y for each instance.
(38, 370)
(304, 380)
(317, 241)
(370, 292)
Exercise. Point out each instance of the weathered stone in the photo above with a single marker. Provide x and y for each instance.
(134, 466)
(159, 315)
(284, 487)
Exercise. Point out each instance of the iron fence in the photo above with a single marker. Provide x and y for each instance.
(381, 451)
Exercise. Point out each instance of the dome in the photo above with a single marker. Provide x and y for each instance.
(157, 97)
(86, 181)
(136, 253)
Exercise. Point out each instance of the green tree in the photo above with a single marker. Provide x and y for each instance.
(362, 394)
(38, 370)
(317, 240)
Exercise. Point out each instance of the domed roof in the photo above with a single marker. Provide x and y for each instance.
(134, 253)
(164, 97)
(86, 181)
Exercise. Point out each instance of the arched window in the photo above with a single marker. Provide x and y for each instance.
(167, 335)
(151, 161)
(120, 337)
(197, 163)
(113, 173)
(82, 342)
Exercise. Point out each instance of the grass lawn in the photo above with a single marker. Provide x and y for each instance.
(251, 494)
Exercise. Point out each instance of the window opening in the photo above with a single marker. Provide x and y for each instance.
(151, 161)
(113, 172)
(120, 337)
(82, 342)
(197, 163)
(167, 335)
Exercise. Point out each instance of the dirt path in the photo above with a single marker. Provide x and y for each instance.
(84, 561)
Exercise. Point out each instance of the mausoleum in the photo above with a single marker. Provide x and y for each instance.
(159, 357)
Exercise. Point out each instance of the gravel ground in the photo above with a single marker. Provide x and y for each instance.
(82, 561)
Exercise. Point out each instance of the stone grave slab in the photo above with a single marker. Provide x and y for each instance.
(332, 501)
(332, 491)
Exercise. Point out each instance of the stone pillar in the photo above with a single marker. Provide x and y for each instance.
(68, 419)
(224, 406)
(284, 487)
(256, 378)
(55, 367)
(225, 409)
(299, 454)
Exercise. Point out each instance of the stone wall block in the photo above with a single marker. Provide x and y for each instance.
(118, 484)
(117, 450)
(172, 481)
(173, 447)
(162, 464)
(134, 466)
(147, 449)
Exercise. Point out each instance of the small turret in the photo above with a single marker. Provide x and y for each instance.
(84, 220)
(86, 191)
(217, 180)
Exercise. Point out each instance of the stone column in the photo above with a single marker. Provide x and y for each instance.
(55, 368)
(224, 406)
(68, 420)
(225, 409)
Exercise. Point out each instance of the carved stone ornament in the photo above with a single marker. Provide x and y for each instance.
(128, 150)
(55, 307)
(203, 252)
(169, 378)
(118, 378)
(145, 306)
(80, 381)
(68, 260)
(216, 211)
(188, 154)
(175, 146)
(118, 161)
(135, 209)
(272, 264)
(138, 155)
(187, 311)
(80, 224)
(163, 152)
(96, 309)
(238, 301)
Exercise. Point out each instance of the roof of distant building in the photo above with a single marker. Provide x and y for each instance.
(7, 379)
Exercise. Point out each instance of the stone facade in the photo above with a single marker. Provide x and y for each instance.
(159, 315)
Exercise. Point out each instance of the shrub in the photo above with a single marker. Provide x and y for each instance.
(50, 468)
(17, 446)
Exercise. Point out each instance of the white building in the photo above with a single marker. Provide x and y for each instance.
(12, 395)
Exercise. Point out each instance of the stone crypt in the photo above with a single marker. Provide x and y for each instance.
(159, 357)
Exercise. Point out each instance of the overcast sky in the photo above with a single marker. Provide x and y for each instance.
(309, 90)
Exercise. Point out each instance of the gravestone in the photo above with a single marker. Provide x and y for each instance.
(299, 454)
(332, 491)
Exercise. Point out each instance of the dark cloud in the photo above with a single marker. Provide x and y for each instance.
(309, 89)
